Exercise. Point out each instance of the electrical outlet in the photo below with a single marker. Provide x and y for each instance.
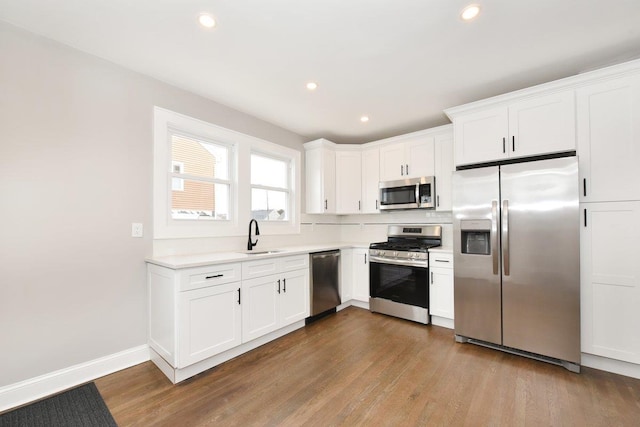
(136, 229)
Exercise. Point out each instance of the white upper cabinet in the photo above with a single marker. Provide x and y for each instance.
(410, 158)
(349, 182)
(320, 177)
(538, 125)
(370, 180)
(609, 139)
(444, 168)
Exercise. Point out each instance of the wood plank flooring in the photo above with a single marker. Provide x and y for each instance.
(358, 368)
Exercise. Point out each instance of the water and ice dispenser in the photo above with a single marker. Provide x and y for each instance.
(475, 237)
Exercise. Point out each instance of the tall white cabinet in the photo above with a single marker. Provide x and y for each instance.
(609, 154)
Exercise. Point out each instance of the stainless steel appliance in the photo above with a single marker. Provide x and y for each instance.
(413, 193)
(325, 282)
(399, 271)
(516, 256)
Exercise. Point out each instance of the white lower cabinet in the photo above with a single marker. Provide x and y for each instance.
(346, 275)
(361, 274)
(274, 301)
(202, 316)
(441, 285)
(209, 322)
(610, 280)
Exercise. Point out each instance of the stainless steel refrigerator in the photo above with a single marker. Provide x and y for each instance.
(516, 258)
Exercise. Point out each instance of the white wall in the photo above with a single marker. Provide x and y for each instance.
(75, 171)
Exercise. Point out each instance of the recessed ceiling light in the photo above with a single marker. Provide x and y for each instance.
(206, 20)
(470, 12)
(364, 119)
(312, 85)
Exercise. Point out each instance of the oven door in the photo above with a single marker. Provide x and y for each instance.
(399, 282)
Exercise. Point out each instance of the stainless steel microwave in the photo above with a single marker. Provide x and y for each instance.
(412, 193)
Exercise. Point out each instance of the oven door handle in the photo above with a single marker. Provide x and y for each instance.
(411, 263)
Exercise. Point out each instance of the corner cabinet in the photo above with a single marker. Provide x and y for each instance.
(348, 182)
(320, 177)
(534, 125)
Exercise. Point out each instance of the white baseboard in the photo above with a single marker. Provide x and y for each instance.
(611, 365)
(36, 388)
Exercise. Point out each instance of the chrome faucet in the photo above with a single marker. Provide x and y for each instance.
(250, 244)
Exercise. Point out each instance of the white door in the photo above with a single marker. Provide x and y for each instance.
(361, 274)
(610, 280)
(259, 306)
(419, 157)
(392, 162)
(209, 322)
(481, 136)
(294, 298)
(545, 124)
(370, 180)
(609, 140)
(444, 169)
(348, 182)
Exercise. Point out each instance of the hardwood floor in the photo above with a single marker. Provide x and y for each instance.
(358, 368)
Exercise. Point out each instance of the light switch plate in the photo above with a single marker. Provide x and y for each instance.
(136, 229)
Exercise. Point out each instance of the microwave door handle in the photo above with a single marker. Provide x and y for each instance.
(418, 195)
(505, 237)
(494, 235)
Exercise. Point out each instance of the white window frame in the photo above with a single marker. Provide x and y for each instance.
(287, 190)
(242, 145)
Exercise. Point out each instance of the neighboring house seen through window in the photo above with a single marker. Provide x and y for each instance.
(270, 188)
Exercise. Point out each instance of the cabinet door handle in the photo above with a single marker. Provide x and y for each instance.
(376, 204)
(401, 170)
(442, 260)
(215, 276)
(365, 258)
(438, 201)
(406, 168)
(238, 296)
(432, 277)
(278, 285)
(513, 143)
(325, 204)
(504, 147)
(585, 217)
(584, 187)
(284, 285)
(359, 209)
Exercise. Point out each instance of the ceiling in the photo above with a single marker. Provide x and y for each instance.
(399, 62)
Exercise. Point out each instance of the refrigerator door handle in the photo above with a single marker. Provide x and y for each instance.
(505, 236)
(494, 235)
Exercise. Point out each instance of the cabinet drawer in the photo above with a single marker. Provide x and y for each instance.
(259, 268)
(294, 262)
(202, 277)
(442, 260)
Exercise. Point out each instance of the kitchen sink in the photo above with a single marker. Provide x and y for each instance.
(260, 252)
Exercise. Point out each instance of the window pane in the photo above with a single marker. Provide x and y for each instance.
(268, 205)
(200, 200)
(269, 172)
(200, 158)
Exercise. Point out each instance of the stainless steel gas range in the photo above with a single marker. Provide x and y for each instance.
(399, 271)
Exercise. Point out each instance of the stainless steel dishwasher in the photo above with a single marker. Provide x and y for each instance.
(325, 281)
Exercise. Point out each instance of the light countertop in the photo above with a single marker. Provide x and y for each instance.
(211, 258)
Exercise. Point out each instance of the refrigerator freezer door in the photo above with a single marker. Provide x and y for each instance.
(541, 261)
(477, 297)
